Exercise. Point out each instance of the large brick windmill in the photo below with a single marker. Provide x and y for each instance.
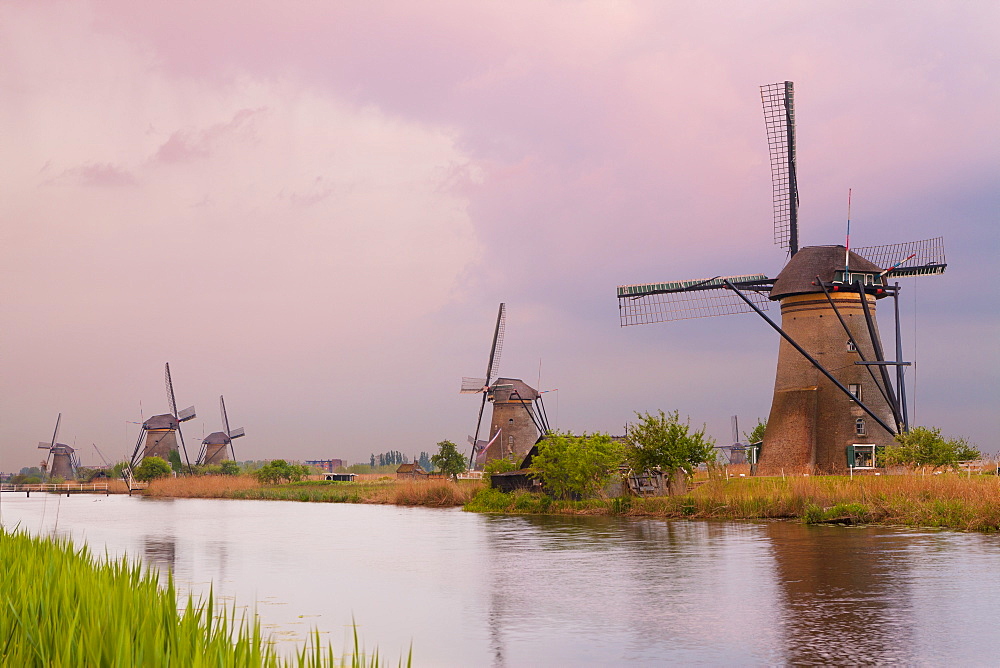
(833, 399)
(518, 412)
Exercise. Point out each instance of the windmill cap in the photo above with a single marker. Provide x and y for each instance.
(524, 391)
(216, 438)
(166, 421)
(799, 275)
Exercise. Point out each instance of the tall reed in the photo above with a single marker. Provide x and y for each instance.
(63, 607)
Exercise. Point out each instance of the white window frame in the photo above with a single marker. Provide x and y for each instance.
(865, 448)
(860, 429)
(855, 390)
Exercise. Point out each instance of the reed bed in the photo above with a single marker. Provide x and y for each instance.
(954, 501)
(63, 607)
(431, 493)
(202, 486)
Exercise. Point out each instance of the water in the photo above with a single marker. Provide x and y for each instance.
(476, 590)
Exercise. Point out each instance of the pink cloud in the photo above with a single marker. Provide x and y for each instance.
(101, 175)
(187, 145)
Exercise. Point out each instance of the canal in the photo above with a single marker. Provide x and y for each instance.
(482, 590)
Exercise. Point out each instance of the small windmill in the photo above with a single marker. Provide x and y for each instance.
(832, 375)
(64, 460)
(518, 412)
(213, 448)
(159, 434)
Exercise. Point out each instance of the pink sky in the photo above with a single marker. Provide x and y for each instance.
(314, 208)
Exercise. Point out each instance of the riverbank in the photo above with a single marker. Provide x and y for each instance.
(952, 501)
(949, 500)
(382, 490)
(66, 608)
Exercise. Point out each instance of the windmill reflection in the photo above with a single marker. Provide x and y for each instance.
(844, 594)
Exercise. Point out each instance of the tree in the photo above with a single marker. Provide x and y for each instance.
(448, 459)
(152, 468)
(278, 470)
(576, 466)
(425, 461)
(498, 465)
(756, 435)
(924, 446)
(661, 441)
(229, 467)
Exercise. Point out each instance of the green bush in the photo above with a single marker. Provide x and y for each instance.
(923, 446)
(576, 466)
(152, 468)
(278, 470)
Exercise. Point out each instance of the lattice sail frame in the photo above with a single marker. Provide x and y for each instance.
(779, 119)
(649, 303)
(928, 257)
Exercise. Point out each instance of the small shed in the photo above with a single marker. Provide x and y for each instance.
(410, 471)
(342, 477)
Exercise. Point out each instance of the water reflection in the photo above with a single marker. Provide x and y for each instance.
(844, 594)
(160, 552)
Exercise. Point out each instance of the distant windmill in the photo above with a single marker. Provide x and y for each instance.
(518, 412)
(160, 433)
(833, 400)
(64, 460)
(213, 448)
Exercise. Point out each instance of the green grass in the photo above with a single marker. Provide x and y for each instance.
(63, 607)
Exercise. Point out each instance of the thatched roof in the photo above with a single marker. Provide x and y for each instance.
(216, 438)
(799, 275)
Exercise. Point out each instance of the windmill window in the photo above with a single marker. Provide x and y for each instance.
(850, 346)
(859, 427)
(855, 390)
(864, 457)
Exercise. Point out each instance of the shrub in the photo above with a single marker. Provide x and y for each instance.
(923, 446)
(152, 468)
(576, 466)
(663, 442)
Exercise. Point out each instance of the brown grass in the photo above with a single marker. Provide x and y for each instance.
(202, 487)
(434, 493)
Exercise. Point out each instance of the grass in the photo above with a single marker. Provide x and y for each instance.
(954, 501)
(431, 493)
(63, 607)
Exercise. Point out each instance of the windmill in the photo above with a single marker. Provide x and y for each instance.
(518, 412)
(159, 434)
(833, 398)
(63, 457)
(213, 448)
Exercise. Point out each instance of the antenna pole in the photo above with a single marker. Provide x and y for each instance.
(847, 245)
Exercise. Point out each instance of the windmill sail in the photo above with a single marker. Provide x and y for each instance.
(648, 303)
(779, 117)
(915, 258)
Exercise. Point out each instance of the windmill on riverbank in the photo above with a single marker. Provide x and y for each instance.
(213, 447)
(62, 461)
(518, 416)
(833, 399)
(160, 434)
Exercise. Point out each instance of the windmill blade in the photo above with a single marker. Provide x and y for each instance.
(472, 385)
(493, 365)
(170, 390)
(186, 414)
(680, 300)
(779, 118)
(44, 445)
(927, 257)
(225, 418)
(237, 433)
(55, 433)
